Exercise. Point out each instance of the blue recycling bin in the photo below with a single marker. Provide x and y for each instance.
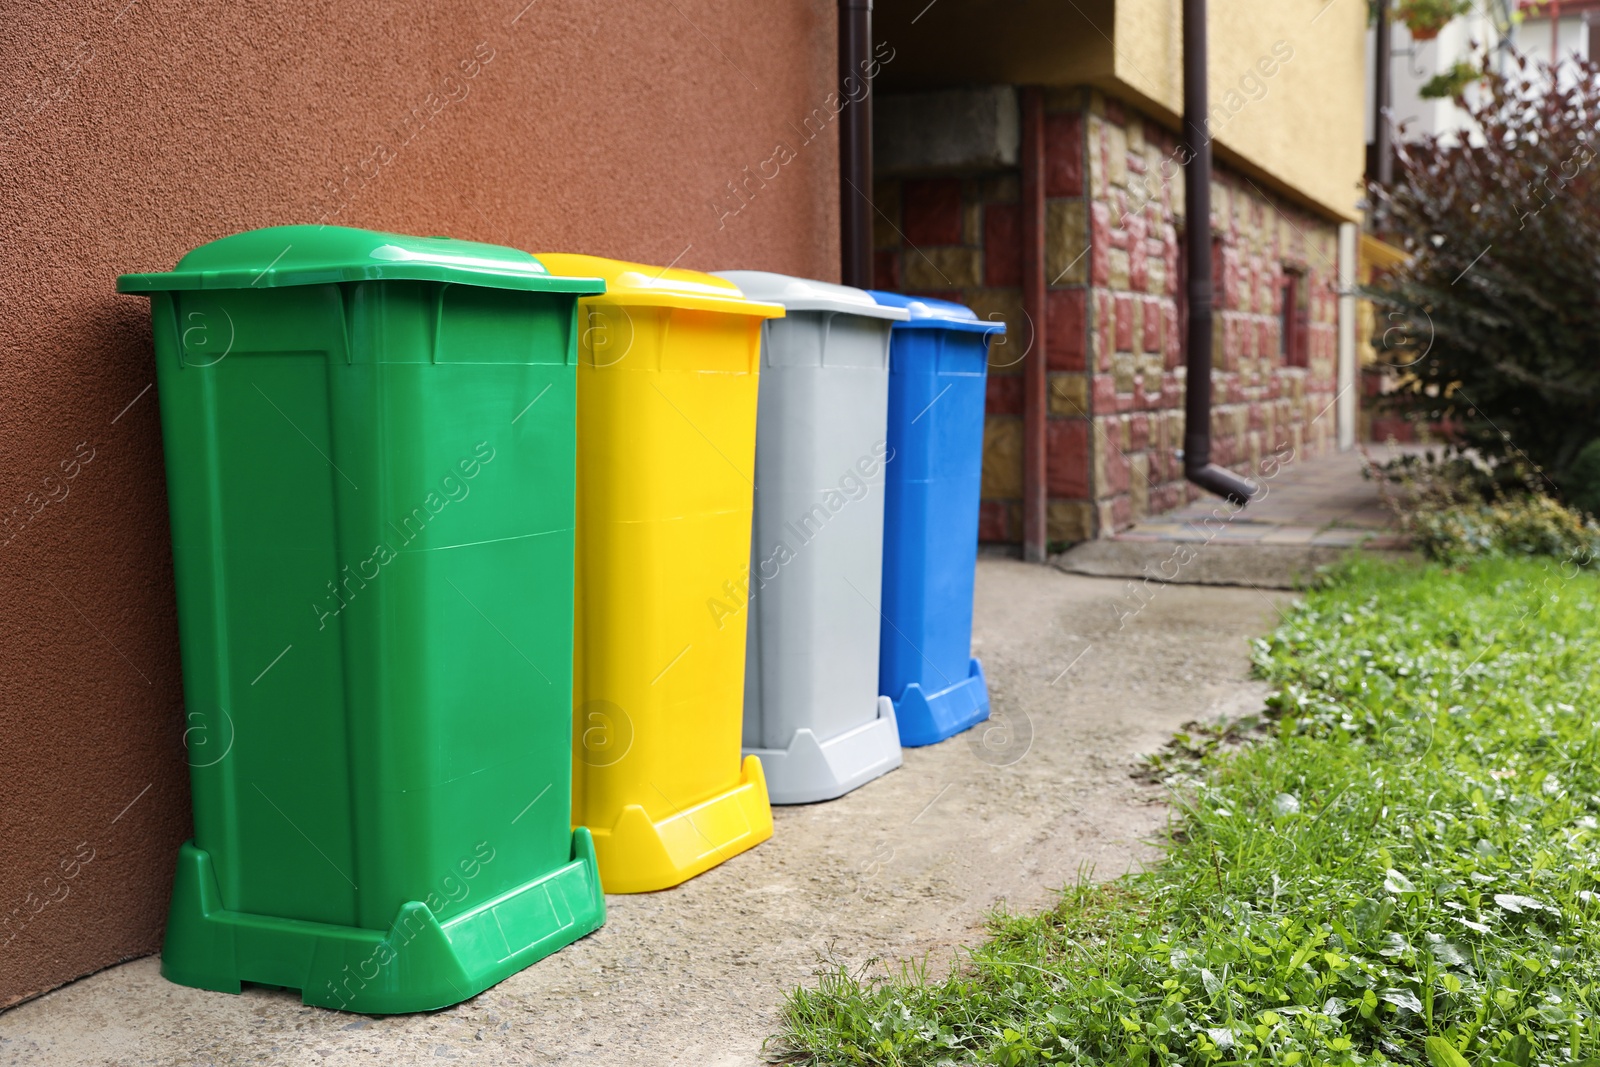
(938, 363)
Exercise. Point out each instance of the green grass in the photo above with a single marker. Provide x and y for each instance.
(1397, 865)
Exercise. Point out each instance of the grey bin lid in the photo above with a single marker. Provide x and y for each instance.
(806, 294)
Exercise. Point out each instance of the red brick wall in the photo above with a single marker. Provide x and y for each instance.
(956, 239)
(1114, 193)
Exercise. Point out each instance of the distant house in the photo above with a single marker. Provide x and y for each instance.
(1558, 29)
(1548, 31)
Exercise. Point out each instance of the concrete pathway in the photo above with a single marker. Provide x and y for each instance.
(1310, 514)
(904, 867)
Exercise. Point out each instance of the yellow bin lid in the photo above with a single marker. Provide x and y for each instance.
(641, 285)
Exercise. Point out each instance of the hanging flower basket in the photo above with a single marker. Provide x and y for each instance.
(1425, 18)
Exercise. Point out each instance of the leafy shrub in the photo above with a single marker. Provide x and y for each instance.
(1456, 507)
(1583, 480)
(1533, 525)
(1451, 476)
(1496, 321)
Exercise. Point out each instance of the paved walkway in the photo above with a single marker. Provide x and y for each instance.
(905, 867)
(1322, 501)
(1310, 514)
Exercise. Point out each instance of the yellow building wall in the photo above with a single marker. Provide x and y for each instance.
(1287, 86)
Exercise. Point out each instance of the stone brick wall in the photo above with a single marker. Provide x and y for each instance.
(957, 239)
(1114, 216)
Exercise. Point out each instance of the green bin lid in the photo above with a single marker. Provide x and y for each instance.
(319, 255)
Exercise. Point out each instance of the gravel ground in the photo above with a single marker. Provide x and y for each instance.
(1082, 681)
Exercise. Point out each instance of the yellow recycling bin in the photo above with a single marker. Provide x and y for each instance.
(667, 374)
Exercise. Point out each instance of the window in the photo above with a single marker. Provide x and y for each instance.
(1294, 320)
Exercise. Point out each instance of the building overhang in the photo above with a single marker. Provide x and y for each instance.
(1298, 134)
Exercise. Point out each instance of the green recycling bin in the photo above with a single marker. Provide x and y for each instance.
(370, 447)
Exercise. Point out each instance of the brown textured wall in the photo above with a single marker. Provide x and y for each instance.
(131, 132)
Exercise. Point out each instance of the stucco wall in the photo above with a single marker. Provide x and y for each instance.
(1290, 74)
(131, 132)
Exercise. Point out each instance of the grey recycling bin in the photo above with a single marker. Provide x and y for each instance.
(812, 711)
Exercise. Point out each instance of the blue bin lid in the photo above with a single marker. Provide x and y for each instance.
(930, 314)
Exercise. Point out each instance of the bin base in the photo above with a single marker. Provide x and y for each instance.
(418, 965)
(927, 718)
(639, 856)
(810, 770)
